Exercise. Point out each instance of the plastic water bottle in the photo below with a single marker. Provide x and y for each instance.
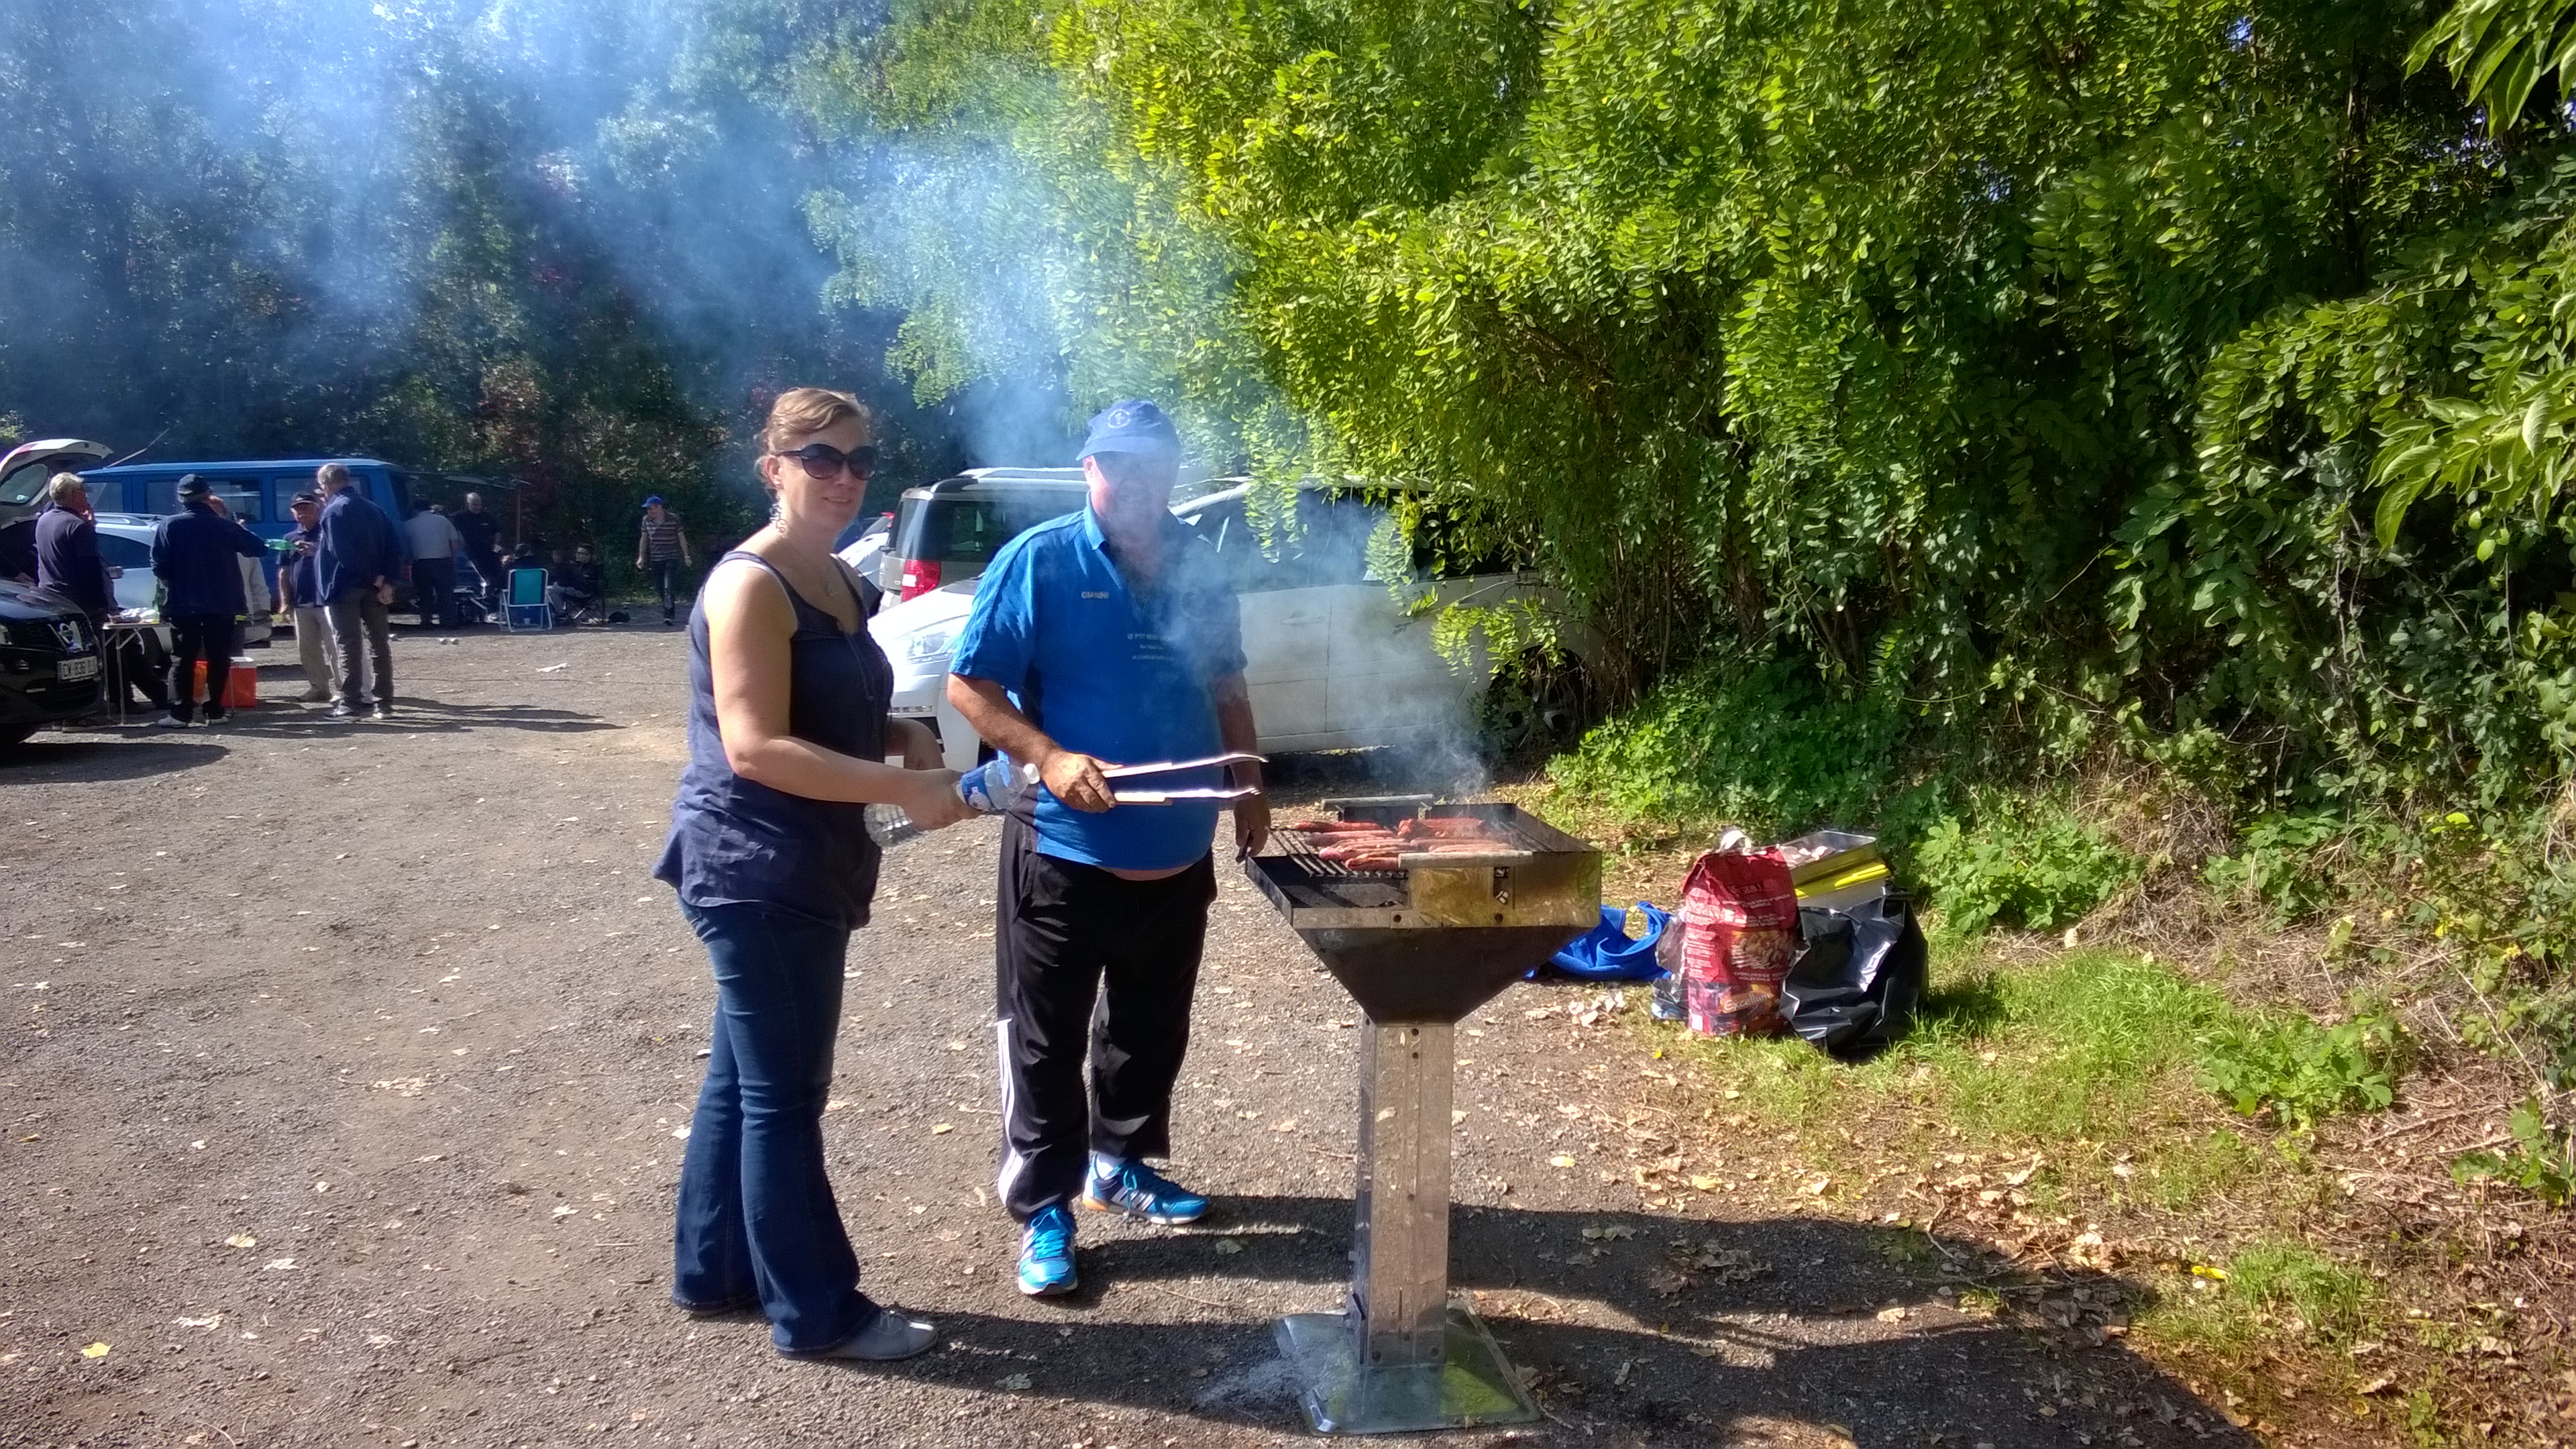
(995, 785)
(988, 789)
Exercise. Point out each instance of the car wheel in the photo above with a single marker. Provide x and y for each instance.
(1535, 709)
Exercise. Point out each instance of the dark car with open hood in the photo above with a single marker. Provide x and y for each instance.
(49, 662)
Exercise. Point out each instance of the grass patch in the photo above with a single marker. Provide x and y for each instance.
(2273, 1286)
(2093, 1046)
(2100, 1059)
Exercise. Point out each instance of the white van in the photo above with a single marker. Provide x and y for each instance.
(1333, 661)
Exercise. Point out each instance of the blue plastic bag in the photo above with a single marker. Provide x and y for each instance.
(1606, 954)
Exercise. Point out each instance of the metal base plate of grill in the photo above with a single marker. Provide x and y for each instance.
(1470, 1384)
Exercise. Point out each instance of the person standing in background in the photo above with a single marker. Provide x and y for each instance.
(299, 599)
(662, 550)
(434, 542)
(198, 552)
(69, 563)
(356, 562)
(478, 536)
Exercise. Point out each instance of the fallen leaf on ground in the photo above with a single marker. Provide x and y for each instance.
(281, 1265)
(1227, 1245)
(95, 1350)
(1560, 1160)
(564, 1211)
(211, 1320)
(1015, 1383)
(939, 1127)
(241, 1240)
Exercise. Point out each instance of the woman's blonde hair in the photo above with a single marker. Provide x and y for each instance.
(800, 411)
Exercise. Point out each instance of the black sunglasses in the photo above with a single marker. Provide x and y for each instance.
(822, 460)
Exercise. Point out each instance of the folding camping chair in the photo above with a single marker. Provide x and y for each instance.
(525, 607)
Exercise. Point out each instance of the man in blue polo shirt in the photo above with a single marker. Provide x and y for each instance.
(1105, 637)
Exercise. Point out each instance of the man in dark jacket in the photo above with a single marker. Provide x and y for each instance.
(355, 566)
(67, 557)
(69, 563)
(198, 552)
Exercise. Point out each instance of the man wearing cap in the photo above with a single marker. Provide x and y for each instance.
(198, 552)
(299, 598)
(355, 562)
(1105, 637)
(663, 550)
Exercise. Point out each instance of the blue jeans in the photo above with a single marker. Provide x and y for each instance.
(756, 1219)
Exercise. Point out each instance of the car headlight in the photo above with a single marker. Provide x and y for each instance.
(925, 647)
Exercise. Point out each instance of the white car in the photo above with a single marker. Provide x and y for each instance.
(125, 541)
(1333, 661)
(866, 553)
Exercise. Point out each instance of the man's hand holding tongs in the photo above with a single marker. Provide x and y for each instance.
(1076, 779)
(1251, 823)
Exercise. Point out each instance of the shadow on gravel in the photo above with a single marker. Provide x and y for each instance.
(416, 716)
(104, 756)
(1769, 1323)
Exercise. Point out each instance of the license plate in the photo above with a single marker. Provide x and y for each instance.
(85, 667)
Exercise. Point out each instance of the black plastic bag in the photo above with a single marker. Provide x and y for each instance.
(1857, 983)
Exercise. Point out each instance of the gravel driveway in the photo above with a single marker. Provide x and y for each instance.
(345, 1069)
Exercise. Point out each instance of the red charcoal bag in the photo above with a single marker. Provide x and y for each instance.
(1739, 919)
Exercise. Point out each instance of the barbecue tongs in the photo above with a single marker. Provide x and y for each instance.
(1167, 767)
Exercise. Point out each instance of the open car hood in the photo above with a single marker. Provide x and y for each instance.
(46, 457)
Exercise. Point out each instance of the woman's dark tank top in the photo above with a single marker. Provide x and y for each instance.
(738, 842)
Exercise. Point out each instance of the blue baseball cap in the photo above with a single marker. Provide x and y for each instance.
(653, 501)
(1132, 426)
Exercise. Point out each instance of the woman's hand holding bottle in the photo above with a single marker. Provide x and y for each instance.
(932, 800)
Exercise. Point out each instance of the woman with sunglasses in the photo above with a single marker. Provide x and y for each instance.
(769, 848)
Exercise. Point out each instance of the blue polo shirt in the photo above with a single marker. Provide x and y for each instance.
(1113, 671)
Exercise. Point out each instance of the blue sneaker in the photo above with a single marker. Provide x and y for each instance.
(1141, 1192)
(1046, 1253)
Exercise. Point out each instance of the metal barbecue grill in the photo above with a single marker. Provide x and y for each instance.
(1418, 947)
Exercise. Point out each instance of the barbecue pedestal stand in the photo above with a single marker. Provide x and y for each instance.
(1418, 949)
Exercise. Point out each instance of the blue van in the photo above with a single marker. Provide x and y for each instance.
(257, 492)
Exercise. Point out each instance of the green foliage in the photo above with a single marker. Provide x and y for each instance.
(2500, 50)
(2299, 1071)
(2541, 1161)
(2018, 861)
(2280, 861)
(1767, 745)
